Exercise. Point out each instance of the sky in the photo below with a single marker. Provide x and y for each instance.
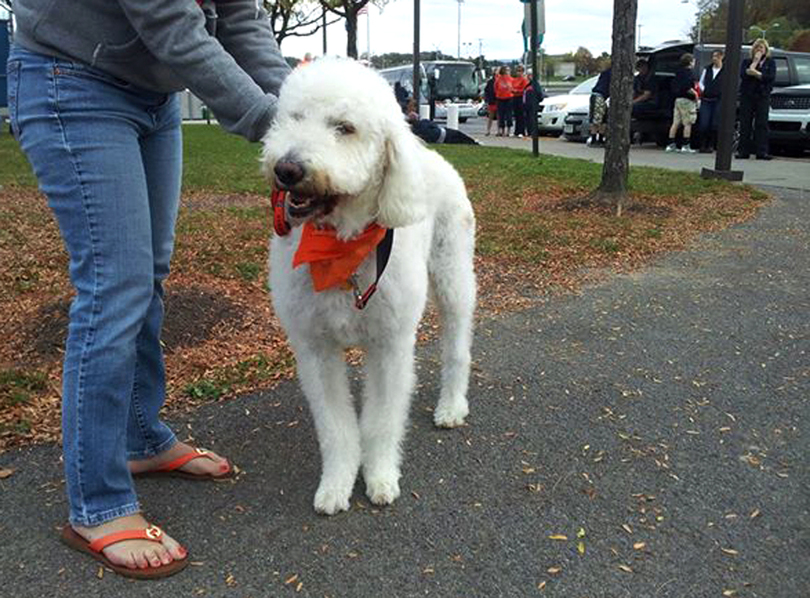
(494, 26)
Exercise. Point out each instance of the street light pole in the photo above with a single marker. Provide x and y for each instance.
(728, 98)
(458, 50)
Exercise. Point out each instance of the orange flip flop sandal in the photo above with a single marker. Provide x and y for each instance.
(152, 533)
(172, 468)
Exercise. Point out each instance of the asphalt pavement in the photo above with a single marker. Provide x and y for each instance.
(645, 438)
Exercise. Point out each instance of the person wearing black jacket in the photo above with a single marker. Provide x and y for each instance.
(532, 96)
(758, 74)
(709, 114)
(491, 101)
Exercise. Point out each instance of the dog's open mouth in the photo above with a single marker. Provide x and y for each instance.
(301, 206)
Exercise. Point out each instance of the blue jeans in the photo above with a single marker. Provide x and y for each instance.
(108, 156)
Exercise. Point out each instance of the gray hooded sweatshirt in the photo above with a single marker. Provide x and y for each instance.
(222, 50)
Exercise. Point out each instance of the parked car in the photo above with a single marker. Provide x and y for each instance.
(792, 68)
(554, 109)
(789, 118)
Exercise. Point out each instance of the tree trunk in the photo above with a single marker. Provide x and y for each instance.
(351, 31)
(613, 188)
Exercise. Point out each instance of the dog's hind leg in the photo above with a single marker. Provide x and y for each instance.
(387, 398)
(322, 374)
(453, 285)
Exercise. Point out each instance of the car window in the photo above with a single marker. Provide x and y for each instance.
(667, 62)
(585, 87)
(802, 69)
(782, 72)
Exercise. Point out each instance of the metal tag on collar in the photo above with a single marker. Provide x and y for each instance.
(361, 298)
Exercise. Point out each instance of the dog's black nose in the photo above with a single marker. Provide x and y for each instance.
(289, 173)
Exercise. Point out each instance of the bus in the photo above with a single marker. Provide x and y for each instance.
(454, 83)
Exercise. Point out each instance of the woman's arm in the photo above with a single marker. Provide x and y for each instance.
(175, 33)
(244, 30)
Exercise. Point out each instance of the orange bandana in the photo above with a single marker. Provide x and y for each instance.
(332, 261)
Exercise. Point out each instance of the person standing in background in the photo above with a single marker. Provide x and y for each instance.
(519, 84)
(598, 109)
(491, 101)
(532, 96)
(710, 92)
(684, 112)
(503, 95)
(758, 73)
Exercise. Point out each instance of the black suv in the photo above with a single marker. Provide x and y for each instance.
(792, 68)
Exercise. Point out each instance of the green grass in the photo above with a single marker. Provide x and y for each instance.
(14, 167)
(513, 169)
(254, 370)
(215, 161)
(17, 386)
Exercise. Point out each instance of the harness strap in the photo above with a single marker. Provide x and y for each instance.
(383, 254)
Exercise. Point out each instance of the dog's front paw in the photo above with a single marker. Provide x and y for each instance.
(382, 491)
(450, 415)
(330, 500)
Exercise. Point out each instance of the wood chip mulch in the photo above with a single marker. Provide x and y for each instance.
(221, 337)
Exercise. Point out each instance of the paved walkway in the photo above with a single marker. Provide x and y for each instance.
(792, 173)
(655, 425)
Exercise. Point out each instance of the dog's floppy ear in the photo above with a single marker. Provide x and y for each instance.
(402, 199)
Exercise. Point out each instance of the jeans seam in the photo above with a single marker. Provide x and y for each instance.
(94, 311)
(136, 407)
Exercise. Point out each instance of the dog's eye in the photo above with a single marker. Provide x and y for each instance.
(345, 128)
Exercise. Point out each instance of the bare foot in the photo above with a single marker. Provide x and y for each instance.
(214, 466)
(134, 554)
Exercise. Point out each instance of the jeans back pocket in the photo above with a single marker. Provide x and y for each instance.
(13, 83)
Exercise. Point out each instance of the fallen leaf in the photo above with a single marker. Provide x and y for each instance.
(100, 573)
(754, 513)
(581, 532)
(625, 568)
(627, 528)
(730, 551)
(554, 570)
(541, 585)
(581, 547)
(292, 579)
(729, 592)
(5, 473)
(639, 545)
(558, 537)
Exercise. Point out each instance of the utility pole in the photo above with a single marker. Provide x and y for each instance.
(416, 76)
(728, 97)
(535, 73)
(458, 51)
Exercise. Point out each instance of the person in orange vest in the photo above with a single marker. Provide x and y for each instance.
(503, 96)
(519, 83)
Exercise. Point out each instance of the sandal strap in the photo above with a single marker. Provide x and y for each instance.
(180, 461)
(152, 533)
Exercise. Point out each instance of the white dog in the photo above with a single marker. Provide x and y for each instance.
(342, 150)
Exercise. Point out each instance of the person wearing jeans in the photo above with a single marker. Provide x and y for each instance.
(710, 92)
(92, 102)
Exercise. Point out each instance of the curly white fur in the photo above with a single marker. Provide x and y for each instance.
(340, 121)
